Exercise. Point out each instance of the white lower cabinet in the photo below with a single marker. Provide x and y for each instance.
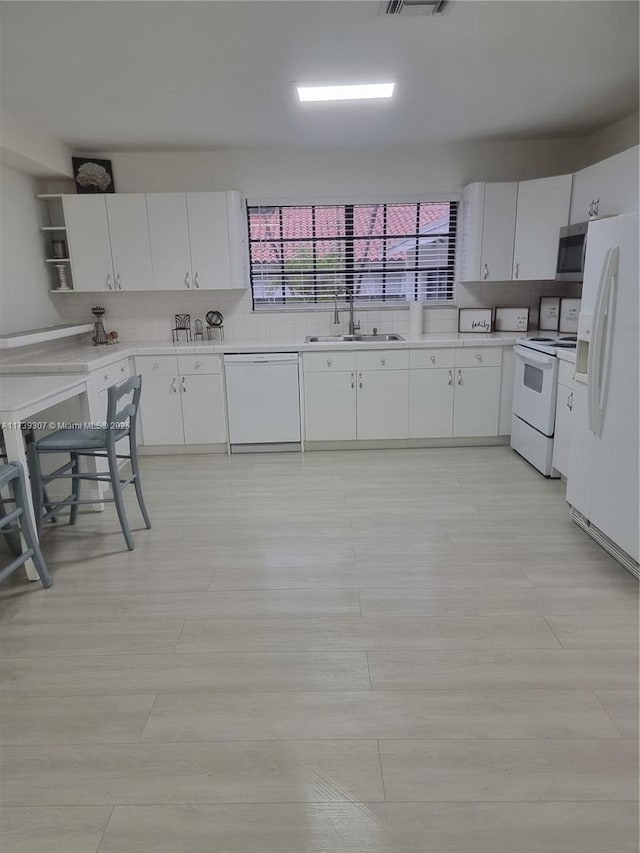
(431, 403)
(476, 401)
(564, 408)
(383, 404)
(180, 407)
(330, 406)
(202, 412)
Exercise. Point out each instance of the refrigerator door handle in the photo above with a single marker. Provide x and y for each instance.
(600, 348)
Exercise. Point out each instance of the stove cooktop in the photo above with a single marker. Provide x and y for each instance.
(549, 345)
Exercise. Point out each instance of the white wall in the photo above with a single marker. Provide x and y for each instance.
(610, 140)
(25, 302)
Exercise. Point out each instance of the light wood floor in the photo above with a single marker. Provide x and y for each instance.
(359, 652)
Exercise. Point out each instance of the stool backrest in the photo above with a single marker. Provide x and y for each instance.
(127, 416)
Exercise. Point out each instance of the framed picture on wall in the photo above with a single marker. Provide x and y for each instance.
(475, 320)
(92, 175)
(549, 313)
(512, 319)
(569, 310)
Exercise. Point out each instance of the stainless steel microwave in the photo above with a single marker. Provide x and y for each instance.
(572, 249)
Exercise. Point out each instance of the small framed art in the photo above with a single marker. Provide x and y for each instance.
(549, 313)
(569, 310)
(512, 319)
(92, 176)
(475, 320)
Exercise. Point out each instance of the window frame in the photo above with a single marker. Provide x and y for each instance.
(350, 240)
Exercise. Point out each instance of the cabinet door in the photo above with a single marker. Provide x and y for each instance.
(498, 231)
(169, 235)
(209, 239)
(130, 247)
(88, 240)
(202, 409)
(564, 405)
(330, 406)
(612, 184)
(160, 411)
(476, 401)
(542, 210)
(383, 404)
(431, 403)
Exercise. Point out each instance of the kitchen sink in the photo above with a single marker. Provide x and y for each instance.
(337, 339)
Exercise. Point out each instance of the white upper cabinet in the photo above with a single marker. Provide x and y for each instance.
(542, 210)
(488, 219)
(216, 240)
(169, 234)
(130, 248)
(88, 241)
(606, 188)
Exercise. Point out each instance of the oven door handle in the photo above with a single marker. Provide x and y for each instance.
(536, 358)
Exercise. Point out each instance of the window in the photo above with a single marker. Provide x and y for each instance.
(391, 253)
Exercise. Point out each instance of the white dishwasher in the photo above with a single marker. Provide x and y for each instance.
(263, 400)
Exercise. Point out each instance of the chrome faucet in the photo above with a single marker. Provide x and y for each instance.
(353, 326)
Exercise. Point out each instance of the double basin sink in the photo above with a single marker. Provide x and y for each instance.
(363, 339)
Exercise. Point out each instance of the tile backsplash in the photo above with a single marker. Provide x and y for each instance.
(150, 316)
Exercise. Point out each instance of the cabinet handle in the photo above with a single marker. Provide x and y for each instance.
(198, 364)
(329, 362)
(353, 380)
(174, 387)
(360, 380)
(184, 386)
(596, 208)
(186, 279)
(109, 285)
(383, 361)
(517, 270)
(591, 208)
(570, 402)
(123, 370)
(450, 379)
(478, 356)
(106, 377)
(118, 282)
(433, 359)
(195, 280)
(459, 377)
(485, 273)
(155, 366)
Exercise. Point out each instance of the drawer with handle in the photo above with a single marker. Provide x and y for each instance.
(478, 356)
(314, 362)
(383, 359)
(157, 365)
(112, 374)
(199, 364)
(440, 357)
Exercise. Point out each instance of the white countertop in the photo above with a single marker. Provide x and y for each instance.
(567, 355)
(23, 394)
(81, 357)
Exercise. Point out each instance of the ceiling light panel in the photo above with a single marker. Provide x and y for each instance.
(350, 92)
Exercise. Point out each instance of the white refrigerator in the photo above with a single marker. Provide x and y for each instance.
(602, 480)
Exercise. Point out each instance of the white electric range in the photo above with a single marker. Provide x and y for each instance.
(535, 388)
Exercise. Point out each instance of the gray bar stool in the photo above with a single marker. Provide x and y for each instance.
(97, 442)
(12, 476)
(10, 533)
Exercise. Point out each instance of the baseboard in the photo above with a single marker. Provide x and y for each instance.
(277, 447)
(407, 443)
(180, 449)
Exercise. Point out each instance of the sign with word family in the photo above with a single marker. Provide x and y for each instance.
(479, 320)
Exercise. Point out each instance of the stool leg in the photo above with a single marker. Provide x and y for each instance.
(117, 494)
(29, 533)
(135, 468)
(75, 493)
(10, 534)
(35, 472)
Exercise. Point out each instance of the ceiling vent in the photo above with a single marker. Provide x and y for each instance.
(413, 7)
